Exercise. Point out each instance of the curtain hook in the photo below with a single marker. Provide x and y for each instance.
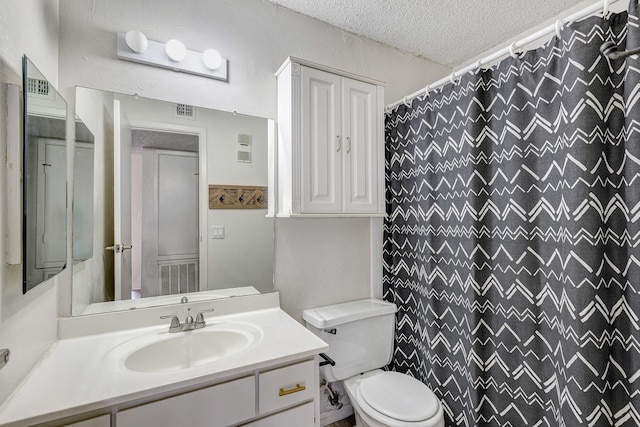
(426, 91)
(479, 64)
(405, 101)
(512, 50)
(559, 24)
(452, 78)
(605, 8)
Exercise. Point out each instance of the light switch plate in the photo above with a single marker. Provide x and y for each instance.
(217, 231)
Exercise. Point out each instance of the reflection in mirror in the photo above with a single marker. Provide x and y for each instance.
(44, 179)
(83, 193)
(157, 236)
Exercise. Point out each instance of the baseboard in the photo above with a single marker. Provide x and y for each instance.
(336, 415)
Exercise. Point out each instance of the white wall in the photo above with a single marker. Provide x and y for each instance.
(317, 261)
(27, 322)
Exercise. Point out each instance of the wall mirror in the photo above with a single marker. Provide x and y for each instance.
(44, 179)
(157, 235)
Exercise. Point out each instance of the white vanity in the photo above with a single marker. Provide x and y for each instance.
(260, 369)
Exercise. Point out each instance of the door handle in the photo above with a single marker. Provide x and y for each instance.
(118, 248)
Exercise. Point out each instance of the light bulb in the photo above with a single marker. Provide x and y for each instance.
(212, 59)
(136, 40)
(175, 50)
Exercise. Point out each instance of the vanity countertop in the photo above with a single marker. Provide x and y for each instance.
(76, 376)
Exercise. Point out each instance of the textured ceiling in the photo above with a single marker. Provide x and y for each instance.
(449, 32)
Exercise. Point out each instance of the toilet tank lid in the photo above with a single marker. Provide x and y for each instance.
(337, 314)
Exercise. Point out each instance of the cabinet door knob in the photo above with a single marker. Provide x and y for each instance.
(338, 143)
(348, 144)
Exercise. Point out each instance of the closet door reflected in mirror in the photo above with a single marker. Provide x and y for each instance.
(44, 179)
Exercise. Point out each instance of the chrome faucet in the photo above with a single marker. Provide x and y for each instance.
(189, 324)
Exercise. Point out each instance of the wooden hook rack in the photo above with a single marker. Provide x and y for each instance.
(237, 197)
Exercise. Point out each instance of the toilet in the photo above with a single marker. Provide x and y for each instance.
(360, 336)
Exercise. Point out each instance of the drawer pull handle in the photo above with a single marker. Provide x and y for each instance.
(297, 388)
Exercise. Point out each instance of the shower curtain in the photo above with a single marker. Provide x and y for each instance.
(512, 243)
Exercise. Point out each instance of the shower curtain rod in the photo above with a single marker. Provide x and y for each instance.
(587, 11)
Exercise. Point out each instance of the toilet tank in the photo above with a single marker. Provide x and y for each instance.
(360, 335)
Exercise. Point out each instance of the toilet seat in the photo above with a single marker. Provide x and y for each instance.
(398, 400)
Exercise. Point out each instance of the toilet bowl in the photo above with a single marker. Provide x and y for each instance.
(360, 337)
(382, 398)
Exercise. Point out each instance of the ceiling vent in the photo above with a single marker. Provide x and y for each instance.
(185, 111)
(38, 87)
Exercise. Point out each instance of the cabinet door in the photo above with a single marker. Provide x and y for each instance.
(216, 406)
(361, 148)
(322, 144)
(101, 421)
(301, 416)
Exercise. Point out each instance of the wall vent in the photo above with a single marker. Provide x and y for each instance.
(38, 87)
(178, 278)
(185, 111)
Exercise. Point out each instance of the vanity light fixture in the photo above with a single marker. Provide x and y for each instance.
(173, 55)
(212, 59)
(136, 41)
(175, 50)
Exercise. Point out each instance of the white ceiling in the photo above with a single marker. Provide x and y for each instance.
(449, 32)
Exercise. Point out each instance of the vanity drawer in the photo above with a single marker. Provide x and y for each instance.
(300, 416)
(101, 421)
(219, 405)
(286, 386)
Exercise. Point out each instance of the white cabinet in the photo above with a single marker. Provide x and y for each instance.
(329, 155)
(300, 416)
(216, 406)
(101, 421)
(286, 395)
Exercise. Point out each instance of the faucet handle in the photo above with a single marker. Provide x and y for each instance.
(175, 322)
(189, 319)
(200, 322)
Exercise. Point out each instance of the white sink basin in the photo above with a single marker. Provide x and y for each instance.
(166, 352)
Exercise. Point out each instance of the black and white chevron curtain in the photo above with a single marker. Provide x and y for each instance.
(512, 245)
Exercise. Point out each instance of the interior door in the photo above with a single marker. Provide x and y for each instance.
(170, 222)
(121, 203)
(51, 244)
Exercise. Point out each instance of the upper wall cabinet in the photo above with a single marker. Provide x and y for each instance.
(329, 157)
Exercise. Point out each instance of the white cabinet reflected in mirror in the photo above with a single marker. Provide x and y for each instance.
(155, 237)
(44, 179)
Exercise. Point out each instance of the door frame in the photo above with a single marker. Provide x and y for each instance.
(203, 187)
